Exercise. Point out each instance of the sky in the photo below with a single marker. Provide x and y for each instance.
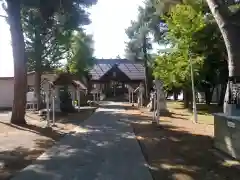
(109, 18)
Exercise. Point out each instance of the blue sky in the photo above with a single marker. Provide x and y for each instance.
(110, 18)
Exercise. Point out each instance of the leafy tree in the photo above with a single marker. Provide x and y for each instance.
(20, 70)
(81, 54)
(149, 23)
(47, 10)
(48, 42)
(193, 30)
(174, 68)
(139, 45)
(209, 44)
(226, 14)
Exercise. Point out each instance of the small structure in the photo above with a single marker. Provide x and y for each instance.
(52, 89)
(158, 89)
(158, 101)
(76, 88)
(227, 124)
(6, 92)
(112, 76)
(7, 86)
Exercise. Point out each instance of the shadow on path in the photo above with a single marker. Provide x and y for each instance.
(177, 154)
(103, 148)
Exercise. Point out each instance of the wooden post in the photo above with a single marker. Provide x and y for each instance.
(141, 99)
(154, 107)
(141, 91)
(79, 99)
(129, 95)
(53, 105)
(94, 96)
(47, 106)
(158, 85)
(114, 90)
(99, 94)
(132, 99)
(158, 105)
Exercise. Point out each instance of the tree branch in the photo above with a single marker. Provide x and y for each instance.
(220, 12)
(3, 16)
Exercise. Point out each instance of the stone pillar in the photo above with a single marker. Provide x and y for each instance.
(57, 99)
(161, 101)
(79, 99)
(53, 105)
(141, 92)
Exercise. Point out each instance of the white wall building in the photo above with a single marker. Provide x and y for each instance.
(6, 92)
(7, 87)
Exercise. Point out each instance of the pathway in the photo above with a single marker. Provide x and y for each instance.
(103, 148)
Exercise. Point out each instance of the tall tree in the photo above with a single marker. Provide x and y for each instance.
(148, 24)
(206, 41)
(209, 44)
(47, 9)
(20, 80)
(48, 40)
(227, 18)
(139, 44)
(81, 55)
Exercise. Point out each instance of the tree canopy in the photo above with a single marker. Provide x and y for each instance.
(191, 32)
(81, 54)
(48, 27)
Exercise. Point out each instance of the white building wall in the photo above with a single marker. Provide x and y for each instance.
(6, 93)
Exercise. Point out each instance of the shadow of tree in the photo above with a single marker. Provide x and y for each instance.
(97, 148)
(12, 161)
(175, 154)
(48, 132)
(75, 118)
(20, 157)
(97, 151)
(201, 107)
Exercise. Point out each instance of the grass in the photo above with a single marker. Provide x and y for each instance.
(205, 112)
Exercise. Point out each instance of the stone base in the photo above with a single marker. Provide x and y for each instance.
(163, 107)
(227, 134)
(231, 109)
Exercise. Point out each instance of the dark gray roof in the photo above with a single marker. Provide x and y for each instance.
(134, 70)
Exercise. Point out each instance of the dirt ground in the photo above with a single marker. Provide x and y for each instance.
(178, 149)
(20, 146)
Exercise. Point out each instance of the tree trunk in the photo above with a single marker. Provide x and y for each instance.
(20, 73)
(186, 97)
(38, 49)
(146, 78)
(37, 88)
(230, 29)
(208, 95)
(222, 94)
(146, 68)
(175, 94)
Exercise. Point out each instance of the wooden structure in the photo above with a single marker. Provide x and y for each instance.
(112, 76)
(52, 88)
(75, 87)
